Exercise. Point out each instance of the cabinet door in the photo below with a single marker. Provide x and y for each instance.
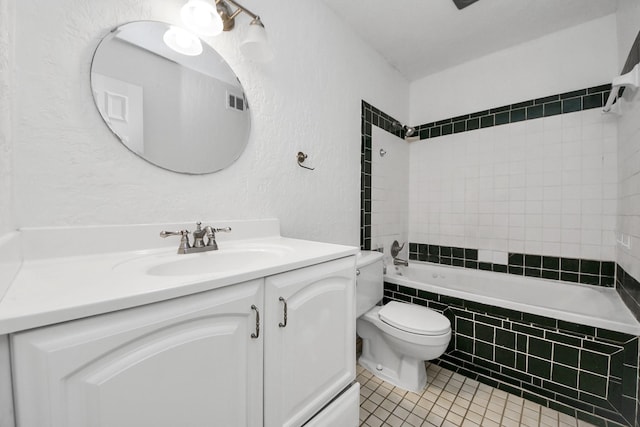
(187, 362)
(311, 359)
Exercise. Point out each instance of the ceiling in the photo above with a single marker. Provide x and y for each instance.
(421, 37)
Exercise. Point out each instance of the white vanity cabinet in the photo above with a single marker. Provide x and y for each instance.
(216, 358)
(310, 356)
(183, 362)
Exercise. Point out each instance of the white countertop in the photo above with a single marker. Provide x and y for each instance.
(49, 290)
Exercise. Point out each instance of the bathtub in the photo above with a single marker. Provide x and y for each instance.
(596, 306)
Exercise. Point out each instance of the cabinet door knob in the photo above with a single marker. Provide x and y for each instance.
(283, 325)
(257, 332)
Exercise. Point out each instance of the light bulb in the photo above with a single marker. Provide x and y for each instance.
(201, 17)
(182, 41)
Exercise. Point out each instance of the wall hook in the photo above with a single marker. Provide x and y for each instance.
(301, 159)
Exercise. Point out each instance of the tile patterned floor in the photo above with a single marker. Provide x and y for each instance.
(450, 400)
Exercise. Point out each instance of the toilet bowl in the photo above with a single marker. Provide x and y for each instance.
(398, 337)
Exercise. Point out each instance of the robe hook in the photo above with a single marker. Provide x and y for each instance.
(301, 158)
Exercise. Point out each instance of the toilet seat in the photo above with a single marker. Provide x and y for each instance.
(414, 319)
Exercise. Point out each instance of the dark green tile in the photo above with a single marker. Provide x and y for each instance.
(551, 263)
(538, 367)
(428, 295)
(528, 330)
(589, 266)
(588, 279)
(484, 332)
(570, 264)
(601, 347)
(484, 350)
(473, 124)
(571, 105)
(518, 271)
(616, 366)
(547, 99)
(464, 327)
(539, 320)
(552, 108)
(629, 381)
(521, 362)
(447, 129)
(408, 291)
(505, 357)
(607, 268)
(459, 127)
(486, 121)
(502, 118)
(535, 112)
(551, 274)
(569, 277)
(592, 101)
(471, 264)
(573, 94)
(521, 342)
(464, 344)
(499, 268)
(489, 320)
(518, 115)
(505, 338)
(618, 337)
(566, 355)
(576, 327)
(516, 259)
(560, 389)
(630, 352)
(435, 132)
(565, 376)
(540, 348)
(521, 105)
(471, 254)
(500, 109)
(533, 261)
(593, 384)
(485, 266)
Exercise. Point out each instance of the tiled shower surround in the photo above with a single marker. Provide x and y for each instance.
(582, 371)
(544, 209)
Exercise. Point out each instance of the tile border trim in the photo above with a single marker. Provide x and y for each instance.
(576, 270)
(563, 103)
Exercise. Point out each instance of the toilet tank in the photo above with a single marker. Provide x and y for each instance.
(369, 281)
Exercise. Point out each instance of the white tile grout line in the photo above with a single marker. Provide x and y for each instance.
(451, 400)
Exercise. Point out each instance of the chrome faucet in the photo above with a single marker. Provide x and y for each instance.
(198, 238)
(395, 250)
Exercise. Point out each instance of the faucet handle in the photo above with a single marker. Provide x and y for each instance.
(211, 235)
(184, 240)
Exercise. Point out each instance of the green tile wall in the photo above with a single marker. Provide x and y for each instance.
(586, 372)
(585, 271)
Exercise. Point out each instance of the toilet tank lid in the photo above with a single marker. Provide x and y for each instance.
(414, 318)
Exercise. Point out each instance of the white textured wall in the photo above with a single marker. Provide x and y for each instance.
(544, 186)
(575, 58)
(70, 170)
(629, 146)
(6, 138)
(389, 191)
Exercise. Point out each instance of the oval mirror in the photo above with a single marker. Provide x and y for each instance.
(170, 98)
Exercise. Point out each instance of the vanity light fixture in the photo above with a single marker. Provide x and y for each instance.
(203, 18)
(182, 41)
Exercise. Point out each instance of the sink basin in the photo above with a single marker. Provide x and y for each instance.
(210, 263)
(213, 262)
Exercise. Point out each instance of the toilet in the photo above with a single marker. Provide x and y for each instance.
(397, 337)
